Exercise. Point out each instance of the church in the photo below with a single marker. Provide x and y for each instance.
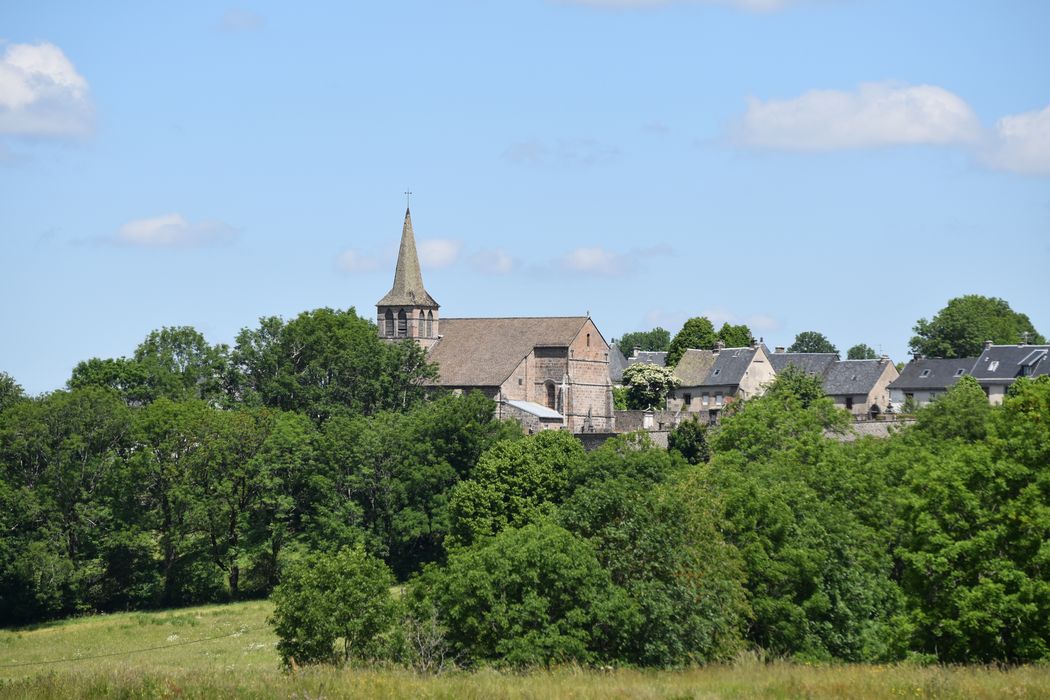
(545, 372)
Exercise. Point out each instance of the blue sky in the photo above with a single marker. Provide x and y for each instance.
(844, 166)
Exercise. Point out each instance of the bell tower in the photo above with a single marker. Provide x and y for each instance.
(407, 310)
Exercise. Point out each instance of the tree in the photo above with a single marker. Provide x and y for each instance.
(647, 385)
(532, 595)
(689, 439)
(812, 341)
(10, 391)
(735, 336)
(696, 333)
(658, 340)
(795, 382)
(861, 352)
(324, 597)
(961, 328)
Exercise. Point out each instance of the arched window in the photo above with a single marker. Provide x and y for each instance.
(430, 324)
(402, 324)
(388, 319)
(422, 326)
(551, 396)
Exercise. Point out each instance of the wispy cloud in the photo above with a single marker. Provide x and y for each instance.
(352, 260)
(241, 20)
(42, 94)
(439, 252)
(602, 262)
(873, 115)
(750, 5)
(1020, 143)
(580, 152)
(494, 262)
(173, 231)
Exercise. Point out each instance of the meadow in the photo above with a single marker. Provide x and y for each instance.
(228, 651)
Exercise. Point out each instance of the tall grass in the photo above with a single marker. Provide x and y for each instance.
(242, 662)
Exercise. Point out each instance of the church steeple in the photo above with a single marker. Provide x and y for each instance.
(408, 310)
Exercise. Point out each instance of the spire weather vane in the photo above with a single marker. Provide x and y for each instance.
(408, 199)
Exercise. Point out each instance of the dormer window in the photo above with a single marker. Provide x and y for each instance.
(924, 373)
(993, 365)
(960, 372)
(716, 373)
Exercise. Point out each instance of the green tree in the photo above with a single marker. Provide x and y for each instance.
(861, 351)
(738, 336)
(689, 439)
(697, 333)
(658, 340)
(812, 341)
(529, 596)
(10, 391)
(325, 597)
(514, 483)
(793, 381)
(647, 385)
(961, 328)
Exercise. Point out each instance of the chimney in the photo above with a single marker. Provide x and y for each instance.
(779, 348)
(884, 359)
(719, 346)
(635, 350)
(987, 344)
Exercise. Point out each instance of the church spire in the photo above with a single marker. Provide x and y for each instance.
(408, 287)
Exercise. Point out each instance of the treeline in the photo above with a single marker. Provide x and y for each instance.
(308, 461)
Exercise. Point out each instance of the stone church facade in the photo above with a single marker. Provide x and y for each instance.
(546, 372)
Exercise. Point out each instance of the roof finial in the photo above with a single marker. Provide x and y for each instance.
(408, 199)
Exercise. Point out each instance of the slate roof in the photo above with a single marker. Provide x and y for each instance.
(815, 363)
(408, 279)
(535, 409)
(484, 351)
(648, 357)
(939, 373)
(617, 364)
(848, 377)
(1004, 363)
(710, 368)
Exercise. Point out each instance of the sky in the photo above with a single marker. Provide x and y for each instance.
(844, 166)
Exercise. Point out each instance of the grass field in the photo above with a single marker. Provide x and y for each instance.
(146, 655)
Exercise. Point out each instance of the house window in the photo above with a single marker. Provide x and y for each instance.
(718, 398)
(388, 319)
(402, 324)
(849, 403)
(716, 373)
(705, 399)
(688, 398)
(960, 372)
(924, 373)
(993, 365)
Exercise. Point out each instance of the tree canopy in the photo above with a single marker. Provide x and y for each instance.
(861, 351)
(658, 339)
(961, 328)
(647, 385)
(812, 341)
(696, 333)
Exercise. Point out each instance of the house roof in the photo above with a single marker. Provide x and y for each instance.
(484, 351)
(932, 373)
(1007, 362)
(535, 409)
(815, 363)
(648, 357)
(617, 364)
(711, 368)
(408, 279)
(846, 377)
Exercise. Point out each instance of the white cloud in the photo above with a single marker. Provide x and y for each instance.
(173, 231)
(496, 262)
(439, 252)
(876, 114)
(1021, 143)
(751, 5)
(354, 261)
(595, 260)
(239, 20)
(41, 93)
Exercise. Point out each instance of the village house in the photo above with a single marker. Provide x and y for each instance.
(1000, 365)
(545, 372)
(711, 379)
(860, 386)
(924, 379)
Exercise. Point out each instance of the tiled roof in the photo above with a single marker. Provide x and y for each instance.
(932, 373)
(853, 376)
(711, 368)
(484, 351)
(408, 279)
(815, 363)
(617, 364)
(1007, 362)
(648, 357)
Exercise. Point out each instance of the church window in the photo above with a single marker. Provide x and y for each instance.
(402, 324)
(389, 323)
(588, 340)
(551, 395)
(422, 326)
(430, 324)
